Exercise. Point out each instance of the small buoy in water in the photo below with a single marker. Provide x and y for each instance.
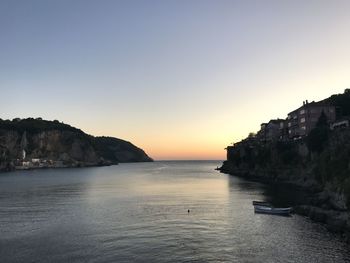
(188, 211)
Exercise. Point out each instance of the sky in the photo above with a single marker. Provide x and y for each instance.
(180, 79)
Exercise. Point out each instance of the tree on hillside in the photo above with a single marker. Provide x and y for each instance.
(341, 103)
(252, 135)
(318, 136)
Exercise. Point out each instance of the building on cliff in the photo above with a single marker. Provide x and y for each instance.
(270, 131)
(302, 120)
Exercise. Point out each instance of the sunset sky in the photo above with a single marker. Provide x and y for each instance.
(180, 79)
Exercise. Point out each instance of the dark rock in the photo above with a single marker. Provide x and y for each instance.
(318, 215)
(336, 224)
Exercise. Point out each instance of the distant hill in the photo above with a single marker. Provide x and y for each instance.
(111, 148)
(60, 144)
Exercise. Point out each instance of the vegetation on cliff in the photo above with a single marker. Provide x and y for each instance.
(341, 103)
(318, 162)
(53, 143)
(31, 125)
(119, 150)
(298, 161)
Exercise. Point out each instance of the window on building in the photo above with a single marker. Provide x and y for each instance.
(331, 110)
(289, 124)
(302, 120)
(302, 111)
(303, 128)
(289, 131)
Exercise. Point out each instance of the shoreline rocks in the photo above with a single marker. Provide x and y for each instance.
(320, 204)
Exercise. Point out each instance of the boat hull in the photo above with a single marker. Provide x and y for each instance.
(272, 210)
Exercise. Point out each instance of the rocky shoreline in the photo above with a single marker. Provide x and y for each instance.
(36, 143)
(11, 167)
(314, 201)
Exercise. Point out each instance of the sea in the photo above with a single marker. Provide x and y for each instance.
(165, 211)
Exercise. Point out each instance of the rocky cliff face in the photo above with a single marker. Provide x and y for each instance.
(324, 174)
(60, 144)
(319, 164)
(294, 162)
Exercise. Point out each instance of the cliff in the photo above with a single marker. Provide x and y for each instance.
(40, 143)
(317, 164)
(324, 175)
(294, 161)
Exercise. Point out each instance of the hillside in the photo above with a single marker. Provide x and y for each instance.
(318, 162)
(30, 143)
(341, 102)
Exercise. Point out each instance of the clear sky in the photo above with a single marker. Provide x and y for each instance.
(180, 79)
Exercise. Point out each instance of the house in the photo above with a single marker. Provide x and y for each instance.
(270, 131)
(302, 120)
(284, 130)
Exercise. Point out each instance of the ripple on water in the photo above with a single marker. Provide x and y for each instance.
(138, 213)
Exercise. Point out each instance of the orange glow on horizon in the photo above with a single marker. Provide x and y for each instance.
(179, 154)
(206, 139)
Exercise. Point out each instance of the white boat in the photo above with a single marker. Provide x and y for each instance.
(271, 210)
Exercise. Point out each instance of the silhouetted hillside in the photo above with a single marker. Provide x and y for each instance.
(31, 125)
(55, 144)
(341, 103)
(119, 150)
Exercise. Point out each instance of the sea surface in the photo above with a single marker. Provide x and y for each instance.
(139, 213)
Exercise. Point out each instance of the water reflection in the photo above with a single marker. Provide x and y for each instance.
(298, 235)
(138, 213)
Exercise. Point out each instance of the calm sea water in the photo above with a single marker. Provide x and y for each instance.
(138, 213)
